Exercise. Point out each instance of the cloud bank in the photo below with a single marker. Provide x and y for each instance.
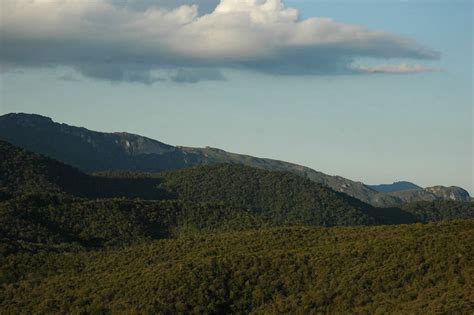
(395, 68)
(126, 40)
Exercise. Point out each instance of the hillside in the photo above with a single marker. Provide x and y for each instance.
(22, 172)
(85, 149)
(93, 151)
(337, 183)
(49, 204)
(282, 196)
(278, 196)
(52, 222)
(400, 269)
(426, 211)
(59, 223)
(434, 193)
(409, 192)
(39, 188)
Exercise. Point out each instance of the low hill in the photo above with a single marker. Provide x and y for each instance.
(428, 211)
(278, 196)
(22, 172)
(408, 269)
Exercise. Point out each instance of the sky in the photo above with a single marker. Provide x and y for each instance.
(374, 91)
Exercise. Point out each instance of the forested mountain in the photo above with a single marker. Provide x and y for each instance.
(274, 194)
(280, 197)
(50, 205)
(407, 269)
(93, 151)
(219, 239)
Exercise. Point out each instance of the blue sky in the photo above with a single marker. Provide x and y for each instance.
(375, 128)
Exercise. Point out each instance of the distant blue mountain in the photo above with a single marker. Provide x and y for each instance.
(397, 186)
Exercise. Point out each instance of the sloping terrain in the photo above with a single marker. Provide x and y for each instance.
(432, 194)
(22, 172)
(279, 196)
(51, 222)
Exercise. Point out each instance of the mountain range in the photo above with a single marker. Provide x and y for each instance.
(92, 151)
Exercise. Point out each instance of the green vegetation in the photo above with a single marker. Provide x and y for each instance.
(58, 223)
(427, 211)
(277, 196)
(286, 198)
(51, 195)
(405, 269)
(23, 172)
(220, 239)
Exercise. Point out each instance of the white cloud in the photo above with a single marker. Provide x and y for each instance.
(114, 40)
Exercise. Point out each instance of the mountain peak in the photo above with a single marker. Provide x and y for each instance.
(25, 118)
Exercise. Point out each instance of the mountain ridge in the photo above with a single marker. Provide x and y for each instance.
(52, 205)
(93, 151)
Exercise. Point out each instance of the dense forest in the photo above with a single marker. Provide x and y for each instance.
(275, 197)
(406, 269)
(58, 223)
(220, 239)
